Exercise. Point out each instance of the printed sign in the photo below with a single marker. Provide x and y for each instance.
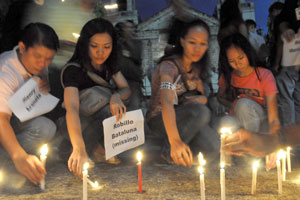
(291, 52)
(28, 102)
(125, 134)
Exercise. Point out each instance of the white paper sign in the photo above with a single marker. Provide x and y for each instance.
(124, 134)
(28, 102)
(291, 52)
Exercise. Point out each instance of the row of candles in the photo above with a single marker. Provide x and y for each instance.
(283, 156)
(85, 179)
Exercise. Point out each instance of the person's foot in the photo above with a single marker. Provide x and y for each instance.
(98, 155)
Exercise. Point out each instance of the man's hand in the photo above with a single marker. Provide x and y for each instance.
(76, 161)
(181, 153)
(272, 161)
(30, 166)
(43, 86)
(245, 142)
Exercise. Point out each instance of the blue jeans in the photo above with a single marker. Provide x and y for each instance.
(249, 115)
(193, 125)
(32, 134)
(91, 127)
(288, 84)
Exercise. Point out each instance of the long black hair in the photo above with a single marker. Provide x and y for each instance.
(239, 41)
(230, 12)
(81, 54)
(177, 49)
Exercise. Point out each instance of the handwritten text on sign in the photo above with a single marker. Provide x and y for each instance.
(28, 102)
(124, 134)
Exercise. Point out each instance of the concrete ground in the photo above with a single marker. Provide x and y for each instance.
(160, 181)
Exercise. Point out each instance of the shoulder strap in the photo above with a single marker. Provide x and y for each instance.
(63, 70)
(96, 78)
(181, 73)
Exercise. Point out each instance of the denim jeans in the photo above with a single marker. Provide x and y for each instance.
(249, 115)
(193, 125)
(288, 84)
(91, 127)
(32, 134)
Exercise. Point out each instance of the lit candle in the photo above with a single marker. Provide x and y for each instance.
(224, 133)
(201, 160)
(202, 183)
(139, 164)
(93, 184)
(43, 157)
(222, 181)
(283, 159)
(254, 177)
(288, 158)
(279, 175)
(84, 180)
(1, 177)
(267, 159)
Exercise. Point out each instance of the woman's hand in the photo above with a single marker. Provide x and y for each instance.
(117, 107)
(181, 153)
(76, 161)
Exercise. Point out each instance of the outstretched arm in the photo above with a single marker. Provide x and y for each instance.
(79, 155)
(180, 152)
(28, 165)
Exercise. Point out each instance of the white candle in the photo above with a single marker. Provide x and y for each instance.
(201, 160)
(202, 183)
(254, 177)
(222, 155)
(43, 157)
(288, 158)
(283, 165)
(84, 180)
(279, 177)
(224, 133)
(222, 181)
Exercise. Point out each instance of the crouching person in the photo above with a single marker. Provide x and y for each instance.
(30, 58)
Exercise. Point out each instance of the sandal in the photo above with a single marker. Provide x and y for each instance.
(98, 156)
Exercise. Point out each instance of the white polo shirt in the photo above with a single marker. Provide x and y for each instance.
(12, 76)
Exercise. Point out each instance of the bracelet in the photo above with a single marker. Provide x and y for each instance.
(166, 85)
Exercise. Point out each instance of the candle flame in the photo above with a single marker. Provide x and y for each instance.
(255, 164)
(85, 166)
(288, 148)
(76, 35)
(44, 150)
(222, 165)
(1, 176)
(280, 154)
(95, 184)
(139, 156)
(200, 169)
(225, 131)
(201, 160)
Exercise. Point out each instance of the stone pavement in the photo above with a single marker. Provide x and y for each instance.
(160, 181)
